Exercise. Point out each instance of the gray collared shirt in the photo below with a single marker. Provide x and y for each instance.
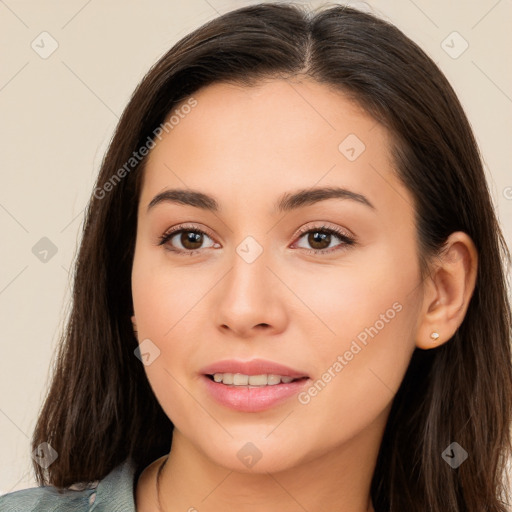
(114, 493)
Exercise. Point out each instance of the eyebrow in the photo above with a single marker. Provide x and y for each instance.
(287, 202)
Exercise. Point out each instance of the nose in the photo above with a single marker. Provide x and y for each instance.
(250, 299)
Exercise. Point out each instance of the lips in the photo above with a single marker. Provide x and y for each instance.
(252, 367)
(248, 398)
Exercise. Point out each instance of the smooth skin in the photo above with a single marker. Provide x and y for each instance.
(246, 146)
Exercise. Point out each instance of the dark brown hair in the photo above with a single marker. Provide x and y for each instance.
(100, 408)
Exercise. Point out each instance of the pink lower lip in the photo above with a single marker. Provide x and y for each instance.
(252, 399)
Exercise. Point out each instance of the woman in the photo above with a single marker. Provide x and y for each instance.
(290, 291)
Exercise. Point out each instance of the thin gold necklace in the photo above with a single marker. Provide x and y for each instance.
(158, 486)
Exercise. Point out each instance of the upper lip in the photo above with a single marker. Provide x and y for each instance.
(252, 367)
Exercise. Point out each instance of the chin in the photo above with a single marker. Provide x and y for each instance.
(258, 456)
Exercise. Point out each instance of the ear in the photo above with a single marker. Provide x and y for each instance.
(447, 291)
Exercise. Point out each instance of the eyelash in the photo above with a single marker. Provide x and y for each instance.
(347, 241)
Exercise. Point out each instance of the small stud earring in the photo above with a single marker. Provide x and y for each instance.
(434, 336)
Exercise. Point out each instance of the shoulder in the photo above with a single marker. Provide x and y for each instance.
(114, 493)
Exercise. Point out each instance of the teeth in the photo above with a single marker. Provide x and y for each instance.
(239, 379)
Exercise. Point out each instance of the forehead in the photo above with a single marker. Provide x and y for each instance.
(240, 142)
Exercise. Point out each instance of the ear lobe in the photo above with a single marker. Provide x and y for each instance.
(448, 291)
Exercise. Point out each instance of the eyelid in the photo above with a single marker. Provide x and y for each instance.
(325, 226)
(187, 226)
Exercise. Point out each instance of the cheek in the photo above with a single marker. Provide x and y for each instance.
(162, 296)
(165, 304)
(357, 381)
(361, 298)
(371, 310)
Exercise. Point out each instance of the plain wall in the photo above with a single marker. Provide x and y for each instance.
(58, 114)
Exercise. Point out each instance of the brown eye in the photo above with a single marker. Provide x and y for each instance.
(186, 241)
(320, 240)
(191, 239)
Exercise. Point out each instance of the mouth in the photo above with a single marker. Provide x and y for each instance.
(252, 381)
(252, 386)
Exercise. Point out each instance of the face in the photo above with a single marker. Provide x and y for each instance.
(327, 285)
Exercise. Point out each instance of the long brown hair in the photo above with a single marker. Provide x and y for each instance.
(100, 409)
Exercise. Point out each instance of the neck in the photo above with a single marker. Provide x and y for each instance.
(339, 480)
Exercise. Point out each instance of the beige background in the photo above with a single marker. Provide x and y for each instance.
(57, 115)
